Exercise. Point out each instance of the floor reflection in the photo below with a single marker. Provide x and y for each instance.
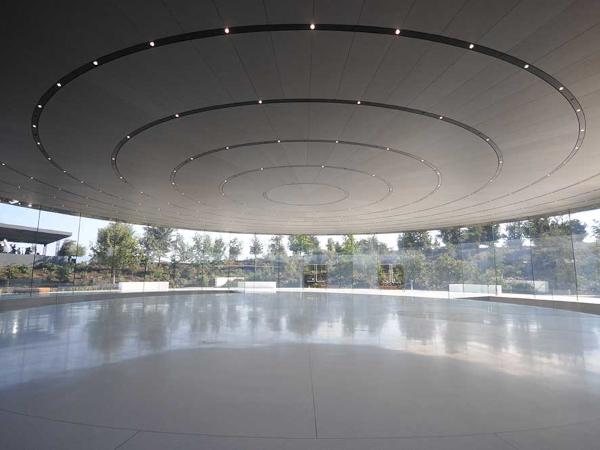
(48, 341)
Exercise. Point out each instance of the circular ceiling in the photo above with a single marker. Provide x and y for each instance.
(219, 117)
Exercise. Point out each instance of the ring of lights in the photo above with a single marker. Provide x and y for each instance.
(410, 34)
(495, 148)
(426, 163)
(268, 195)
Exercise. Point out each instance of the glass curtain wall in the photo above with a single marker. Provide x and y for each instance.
(557, 257)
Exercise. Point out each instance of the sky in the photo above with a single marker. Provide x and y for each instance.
(88, 229)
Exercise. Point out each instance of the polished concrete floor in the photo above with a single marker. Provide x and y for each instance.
(298, 371)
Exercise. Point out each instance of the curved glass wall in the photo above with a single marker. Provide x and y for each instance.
(55, 255)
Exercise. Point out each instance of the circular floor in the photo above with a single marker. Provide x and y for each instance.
(298, 370)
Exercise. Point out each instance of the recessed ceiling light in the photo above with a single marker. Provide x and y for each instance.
(262, 168)
(3, 164)
(95, 63)
(81, 181)
(578, 110)
(561, 88)
(471, 46)
(337, 142)
(582, 130)
(128, 137)
(526, 66)
(227, 148)
(64, 171)
(260, 102)
(39, 143)
(34, 125)
(372, 174)
(487, 139)
(358, 102)
(397, 31)
(312, 26)
(322, 167)
(226, 30)
(31, 178)
(40, 106)
(177, 115)
(548, 174)
(422, 160)
(151, 43)
(173, 183)
(113, 158)
(441, 117)
(191, 158)
(225, 181)
(49, 159)
(58, 84)
(387, 148)
(278, 140)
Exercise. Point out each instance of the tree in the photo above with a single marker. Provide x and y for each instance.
(235, 248)
(596, 230)
(348, 245)
(578, 229)
(117, 247)
(414, 240)
(70, 248)
(180, 250)
(515, 233)
(201, 248)
(372, 245)
(333, 247)
(276, 246)
(256, 247)
(450, 236)
(477, 234)
(303, 244)
(201, 255)
(156, 242)
(217, 252)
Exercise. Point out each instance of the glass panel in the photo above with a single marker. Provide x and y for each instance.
(514, 270)
(413, 247)
(55, 254)
(16, 257)
(555, 257)
(585, 231)
(552, 258)
(478, 254)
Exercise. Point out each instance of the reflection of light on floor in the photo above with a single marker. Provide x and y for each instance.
(511, 339)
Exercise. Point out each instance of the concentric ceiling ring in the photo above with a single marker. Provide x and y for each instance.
(314, 166)
(268, 194)
(176, 116)
(202, 34)
(431, 166)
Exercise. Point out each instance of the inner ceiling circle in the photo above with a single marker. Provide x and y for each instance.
(314, 194)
